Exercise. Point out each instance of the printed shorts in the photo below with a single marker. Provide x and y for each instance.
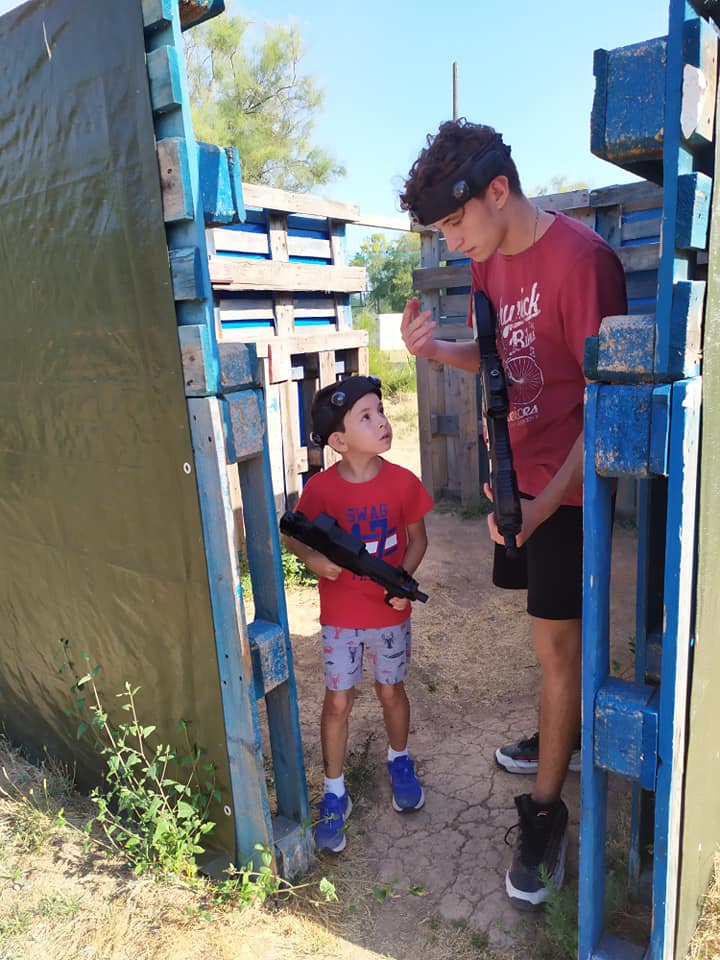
(387, 649)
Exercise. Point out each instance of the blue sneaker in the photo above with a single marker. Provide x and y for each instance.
(406, 789)
(329, 832)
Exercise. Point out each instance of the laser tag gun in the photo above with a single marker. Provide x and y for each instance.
(495, 407)
(349, 552)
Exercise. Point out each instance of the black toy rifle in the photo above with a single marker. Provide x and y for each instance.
(495, 407)
(327, 537)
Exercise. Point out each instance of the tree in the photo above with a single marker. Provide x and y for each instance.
(253, 97)
(389, 268)
(558, 184)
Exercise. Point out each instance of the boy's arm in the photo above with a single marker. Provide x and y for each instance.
(319, 564)
(416, 545)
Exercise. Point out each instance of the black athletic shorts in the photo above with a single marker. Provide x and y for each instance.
(548, 566)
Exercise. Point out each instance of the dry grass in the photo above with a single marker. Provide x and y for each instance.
(705, 944)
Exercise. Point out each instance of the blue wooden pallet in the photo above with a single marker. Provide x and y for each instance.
(201, 187)
(643, 421)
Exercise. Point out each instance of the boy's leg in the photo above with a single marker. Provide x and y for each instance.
(396, 713)
(554, 558)
(334, 726)
(558, 648)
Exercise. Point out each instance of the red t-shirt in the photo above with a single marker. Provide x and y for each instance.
(548, 299)
(378, 512)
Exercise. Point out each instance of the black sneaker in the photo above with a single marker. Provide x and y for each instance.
(522, 757)
(539, 852)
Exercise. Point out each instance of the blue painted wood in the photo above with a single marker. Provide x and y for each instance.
(245, 423)
(613, 948)
(676, 642)
(238, 365)
(250, 806)
(595, 668)
(626, 730)
(157, 14)
(269, 655)
(659, 430)
(186, 271)
(235, 174)
(262, 537)
(685, 339)
(291, 843)
(623, 431)
(627, 120)
(693, 211)
(164, 76)
(623, 351)
(215, 186)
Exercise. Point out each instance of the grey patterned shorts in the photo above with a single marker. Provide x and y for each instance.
(387, 649)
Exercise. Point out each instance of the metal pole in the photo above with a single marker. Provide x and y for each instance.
(455, 90)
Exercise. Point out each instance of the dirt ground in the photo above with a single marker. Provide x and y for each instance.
(473, 686)
(425, 884)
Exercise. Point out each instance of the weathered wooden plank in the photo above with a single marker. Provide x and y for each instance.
(240, 241)
(156, 14)
(626, 730)
(200, 361)
(164, 78)
(436, 278)
(644, 256)
(565, 202)
(271, 198)
(640, 229)
(693, 211)
(186, 273)
(175, 184)
(267, 645)
(699, 87)
(246, 430)
(454, 305)
(268, 275)
(301, 342)
(193, 12)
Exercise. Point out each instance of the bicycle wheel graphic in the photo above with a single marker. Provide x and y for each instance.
(527, 379)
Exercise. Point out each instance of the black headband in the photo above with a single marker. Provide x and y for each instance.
(469, 180)
(332, 403)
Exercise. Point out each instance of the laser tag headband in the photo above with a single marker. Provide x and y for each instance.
(332, 403)
(469, 180)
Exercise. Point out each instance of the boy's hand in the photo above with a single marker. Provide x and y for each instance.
(398, 603)
(322, 567)
(416, 330)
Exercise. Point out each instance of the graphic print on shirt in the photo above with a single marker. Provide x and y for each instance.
(370, 524)
(516, 321)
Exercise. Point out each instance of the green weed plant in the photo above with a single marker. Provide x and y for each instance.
(154, 804)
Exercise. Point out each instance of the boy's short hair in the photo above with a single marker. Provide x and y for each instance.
(331, 403)
(447, 154)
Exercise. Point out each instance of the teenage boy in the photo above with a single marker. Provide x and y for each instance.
(551, 280)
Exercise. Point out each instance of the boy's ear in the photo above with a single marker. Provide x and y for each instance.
(499, 190)
(337, 441)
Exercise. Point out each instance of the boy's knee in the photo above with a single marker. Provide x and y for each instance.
(390, 694)
(338, 703)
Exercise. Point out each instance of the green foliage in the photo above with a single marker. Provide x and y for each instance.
(295, 571)
(396, 377)
(248, 92)
(558, 184)
(154, 805)
(389, 266)
(248, 885)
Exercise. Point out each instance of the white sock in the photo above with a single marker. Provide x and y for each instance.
(394, 754)
(335, 785)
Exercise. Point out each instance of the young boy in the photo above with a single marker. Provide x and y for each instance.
(551, 281)
(384, 505)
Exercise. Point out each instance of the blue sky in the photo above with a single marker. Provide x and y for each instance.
(524, 67)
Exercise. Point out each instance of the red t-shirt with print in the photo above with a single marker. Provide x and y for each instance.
(548, 299)
(378, 512)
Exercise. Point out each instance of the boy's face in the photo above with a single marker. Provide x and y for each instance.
(476, 228)
(367, 429)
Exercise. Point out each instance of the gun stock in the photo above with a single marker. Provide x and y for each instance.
(326, 536)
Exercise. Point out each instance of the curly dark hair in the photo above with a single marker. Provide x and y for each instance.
(448, 149)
